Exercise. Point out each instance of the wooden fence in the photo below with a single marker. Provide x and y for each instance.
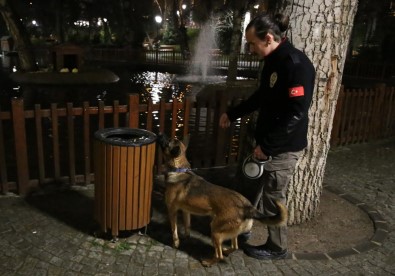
(54, 145)
(364, 115)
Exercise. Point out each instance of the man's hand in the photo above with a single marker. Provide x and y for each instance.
(258, 153)
(224, 121)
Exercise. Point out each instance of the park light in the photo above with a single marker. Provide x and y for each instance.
(81, 23)
(256, 6)
(158, 19)
(184, 6)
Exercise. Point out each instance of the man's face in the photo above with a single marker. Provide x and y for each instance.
(256, 45)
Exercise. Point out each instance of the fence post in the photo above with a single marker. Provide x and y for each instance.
(222, 139)
(134, 110)
(18, 123)
(335, 139)
(3, 168)
(187, 114)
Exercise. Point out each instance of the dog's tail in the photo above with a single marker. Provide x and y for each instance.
(279, 219)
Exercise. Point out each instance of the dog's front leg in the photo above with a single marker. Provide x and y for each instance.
(173, 223)
(187, 223)
(217, 244)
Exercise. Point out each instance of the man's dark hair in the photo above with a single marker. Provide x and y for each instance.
(266, 23)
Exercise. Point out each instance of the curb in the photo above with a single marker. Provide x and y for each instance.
(380, 225)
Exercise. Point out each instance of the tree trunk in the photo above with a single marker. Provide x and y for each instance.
(321, 29)
(59, 21)
(181, 29)
(235, 46)
(20, 36)
(239, 9)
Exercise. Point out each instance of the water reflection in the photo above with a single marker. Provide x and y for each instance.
(158, 85)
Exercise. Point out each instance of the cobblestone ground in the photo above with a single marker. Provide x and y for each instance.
(52, 233)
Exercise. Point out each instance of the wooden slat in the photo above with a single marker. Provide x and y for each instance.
(99, 157)
(149, 181)
(370, 100)
(116, 114)
(150, 114)
(243, 133)
(391, 114)
(187, 114)
(380, 112)
(162, 115)
(3, 168)
(108, 184)
(198, 111)
(103, 185)
(142, 186)
(129, 188)
(351, 119)
(134, 111)
(196, 133)
(365, 116)
(18, 120)
(55, 141)
(71, 143)
(39, 141)
(101, 115)
(174, 111)
(335, 135)
(376, 113)
(115, 190)
(357, 116)
(122, 187)
(135, 185)
(343, 122)
(208, 133)
(86, 139)
(221, 135)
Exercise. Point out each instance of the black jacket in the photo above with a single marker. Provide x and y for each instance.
(283, 100)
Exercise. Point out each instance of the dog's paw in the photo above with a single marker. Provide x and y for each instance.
(210, 262)
(228, 251)
(186, 235)
(176, 243)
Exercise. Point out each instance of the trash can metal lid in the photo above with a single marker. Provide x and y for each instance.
(124, 136)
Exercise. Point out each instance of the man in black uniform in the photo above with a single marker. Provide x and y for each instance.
(283, 100)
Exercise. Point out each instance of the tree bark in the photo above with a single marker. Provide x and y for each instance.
(235, 46)
(181, 29)
(239, 9)
(322, 29)
(20, 36)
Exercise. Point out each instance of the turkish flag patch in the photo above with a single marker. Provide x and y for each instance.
(296, 91)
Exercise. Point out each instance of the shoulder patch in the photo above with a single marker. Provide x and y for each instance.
(296, 91)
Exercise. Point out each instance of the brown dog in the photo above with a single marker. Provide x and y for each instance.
(231, 213)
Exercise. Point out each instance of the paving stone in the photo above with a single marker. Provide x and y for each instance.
(35, 242)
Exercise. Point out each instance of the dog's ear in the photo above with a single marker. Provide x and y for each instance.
(185, 140)
(163, 140)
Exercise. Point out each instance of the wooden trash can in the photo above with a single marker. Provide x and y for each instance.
(123, 164)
